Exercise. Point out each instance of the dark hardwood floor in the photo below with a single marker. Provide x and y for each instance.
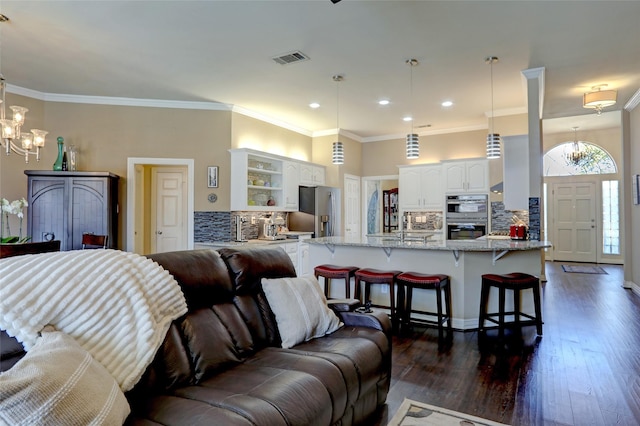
(584, 370)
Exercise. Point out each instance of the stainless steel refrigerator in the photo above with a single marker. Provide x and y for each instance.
(319, 211)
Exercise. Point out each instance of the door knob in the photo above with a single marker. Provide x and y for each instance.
(159, 232)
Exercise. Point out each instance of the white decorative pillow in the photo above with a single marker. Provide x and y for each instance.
(58, 382)
(300, 308)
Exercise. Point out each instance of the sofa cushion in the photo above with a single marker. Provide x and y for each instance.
(300, 308)
(266, 395)
(247, 266)
(58, 382)
(201, 274)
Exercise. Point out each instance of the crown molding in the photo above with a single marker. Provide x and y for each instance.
(633, 102)
(537, 74)
(427, 133)
(337, 132)
(105, 100)
(271, 120)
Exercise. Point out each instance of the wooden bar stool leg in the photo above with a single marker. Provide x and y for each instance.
(401, 307)
(516, 307)
(501, 323)
(440, 316)
(447, 295)
(538, 308)
(407, 319)
(392, 305)
(484, 300)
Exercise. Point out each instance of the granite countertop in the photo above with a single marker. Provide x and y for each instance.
(450, 245)
(243, 243)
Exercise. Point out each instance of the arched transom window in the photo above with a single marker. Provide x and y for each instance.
(593, 160)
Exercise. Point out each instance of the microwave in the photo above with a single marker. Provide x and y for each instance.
(473, 207)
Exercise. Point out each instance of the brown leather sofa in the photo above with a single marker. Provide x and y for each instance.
(222, 362)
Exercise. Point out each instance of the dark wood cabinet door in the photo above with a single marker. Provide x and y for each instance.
(46, 213)
(64, 205)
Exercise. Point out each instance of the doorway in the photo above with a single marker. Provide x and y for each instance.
(372, 201)
(139, 206)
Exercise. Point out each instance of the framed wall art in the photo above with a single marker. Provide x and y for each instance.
(212, 176)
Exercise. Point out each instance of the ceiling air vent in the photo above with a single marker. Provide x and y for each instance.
(290, 58)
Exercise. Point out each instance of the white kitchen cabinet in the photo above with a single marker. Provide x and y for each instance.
(304, 266)
(467, 176)
(291, 178)
(312, 174)
(256, 181)
(292, 250)
(420, 187)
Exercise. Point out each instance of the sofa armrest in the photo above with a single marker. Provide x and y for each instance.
(375, 319)
(343, 305)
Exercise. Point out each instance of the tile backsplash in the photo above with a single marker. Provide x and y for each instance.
(220, 226)
(501, 219)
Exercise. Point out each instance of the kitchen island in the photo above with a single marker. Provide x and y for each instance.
(465, 261)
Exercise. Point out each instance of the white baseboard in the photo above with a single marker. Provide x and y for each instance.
(633, 286)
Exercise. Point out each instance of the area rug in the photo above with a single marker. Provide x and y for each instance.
(583, 269)
(414, 413)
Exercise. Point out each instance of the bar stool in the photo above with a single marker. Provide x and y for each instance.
(375, 276)
(329, 272)
(407, 281)
(517, 282)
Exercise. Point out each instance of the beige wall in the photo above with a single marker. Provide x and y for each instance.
(107, 135)
(248, 132)
(322, 151)
(383, 157)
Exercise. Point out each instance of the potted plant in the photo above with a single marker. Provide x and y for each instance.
(13, 207)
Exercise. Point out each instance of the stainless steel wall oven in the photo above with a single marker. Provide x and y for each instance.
(467, 216)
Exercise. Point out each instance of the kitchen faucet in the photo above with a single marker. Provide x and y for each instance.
(239, 221)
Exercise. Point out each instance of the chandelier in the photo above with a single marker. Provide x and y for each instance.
(12, 137)
(577, 153)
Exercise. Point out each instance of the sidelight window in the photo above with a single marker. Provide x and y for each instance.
(610, 217)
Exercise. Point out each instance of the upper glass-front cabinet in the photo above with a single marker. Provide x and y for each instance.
(256, 181)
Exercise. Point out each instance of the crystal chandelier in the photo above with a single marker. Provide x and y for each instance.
(577, 153)
(12, 137)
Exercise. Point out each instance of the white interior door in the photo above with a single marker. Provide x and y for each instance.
(169, 209)
(574, 222)
(351, 206)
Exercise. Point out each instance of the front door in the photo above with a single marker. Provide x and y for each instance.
(168, 213)
(574, 222)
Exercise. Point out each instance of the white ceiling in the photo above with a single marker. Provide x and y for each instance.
(220, 51)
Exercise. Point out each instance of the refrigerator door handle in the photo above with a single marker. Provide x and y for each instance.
(332, 206)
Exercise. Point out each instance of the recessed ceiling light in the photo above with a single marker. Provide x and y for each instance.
(447, 104)
(314, 105)
(383, 102)
(407, 119)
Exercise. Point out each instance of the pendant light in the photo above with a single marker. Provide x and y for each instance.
(493, 139)
(412, 143)
(337, 155)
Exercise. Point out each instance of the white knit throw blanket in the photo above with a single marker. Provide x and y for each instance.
(117, 305)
